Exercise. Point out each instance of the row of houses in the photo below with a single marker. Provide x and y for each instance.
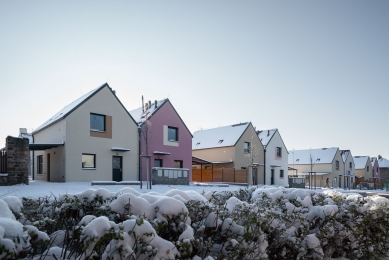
(96, 138)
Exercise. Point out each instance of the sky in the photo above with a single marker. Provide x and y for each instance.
(316, 70)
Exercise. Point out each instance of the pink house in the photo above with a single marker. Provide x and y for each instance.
(375, 168)
(164, 136)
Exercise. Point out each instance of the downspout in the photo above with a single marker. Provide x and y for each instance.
(33, 160)
(140, 158)
(264, 166)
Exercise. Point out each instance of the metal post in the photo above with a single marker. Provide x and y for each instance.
(140, 158)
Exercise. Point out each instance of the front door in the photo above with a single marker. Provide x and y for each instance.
(117, 168)
(272, 177)
(48, 167)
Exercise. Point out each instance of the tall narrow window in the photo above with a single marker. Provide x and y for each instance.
(279, 152)
(246, 147)
(337, 165)
(281, 174)
(97, 122)
(172, 134)
(40, 164)
(88, 161)
(367, 168)
(351, 165)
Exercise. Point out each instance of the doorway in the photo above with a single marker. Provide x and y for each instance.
(117, 174)
(48, 167)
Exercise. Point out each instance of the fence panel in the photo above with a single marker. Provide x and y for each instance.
(196, 175)
(217, 174)
(206, 175)
(3, 161)
(228, 174)
(240, 176)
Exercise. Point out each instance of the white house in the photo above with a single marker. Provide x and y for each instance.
(276, 157)
(92, 138)
(349, 167)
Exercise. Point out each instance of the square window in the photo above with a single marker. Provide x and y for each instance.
(337, 165)
(281, 173)
(246, 147)
(40, 164)
(97, 122)
(172, 134)
(88, 161)
(177, 164)
(158, 163)
(279, 152)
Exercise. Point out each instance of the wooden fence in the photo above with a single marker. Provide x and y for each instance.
(365, 184)
(3, 161)
(219, 175)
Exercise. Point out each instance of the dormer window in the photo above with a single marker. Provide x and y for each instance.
(198, 143)
(318, 160)
(297, 160)
(220, 141)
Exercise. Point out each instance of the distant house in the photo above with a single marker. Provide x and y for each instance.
(363, 167)
(323, 162)
(375, 169)
(93, 138)
(349, 167)
(384, 168)
(232, 146)
(169, 139)
(276, 157)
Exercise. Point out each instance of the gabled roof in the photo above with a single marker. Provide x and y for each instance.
(319, 156)
(218, 137)
(345, 154)
(140, 116)
(360, 161)
(266, 135)
(373, 160)
(383, 163)
(64, 112)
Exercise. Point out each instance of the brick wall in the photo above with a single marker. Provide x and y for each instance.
(17, 160)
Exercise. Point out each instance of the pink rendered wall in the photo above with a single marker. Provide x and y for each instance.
(167, 116)
(376, 170)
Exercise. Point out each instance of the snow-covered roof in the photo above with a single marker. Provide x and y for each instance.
(140, 116)
(360, 161)
(344, 154)
(266, 135)
(320, 155)
(218, 137)
(68, 109)
(383, 163)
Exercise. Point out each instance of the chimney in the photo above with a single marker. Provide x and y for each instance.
(22, 130)
(379, 157)
(155, 104)
(143, 105)
(149, 104)
(114, 92)
(268, 132)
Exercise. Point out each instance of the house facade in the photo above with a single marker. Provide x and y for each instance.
(276, 157)
(384, 168)
(375, 169)
(164, 136)
(323, 163)
(349, 168)
(93, 138)
(363, 167)
(233, 147)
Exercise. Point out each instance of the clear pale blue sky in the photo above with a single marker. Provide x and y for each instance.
(316, 70)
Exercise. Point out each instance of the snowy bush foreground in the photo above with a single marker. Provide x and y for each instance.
(254, 223)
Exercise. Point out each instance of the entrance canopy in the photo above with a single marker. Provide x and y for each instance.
(42, 147)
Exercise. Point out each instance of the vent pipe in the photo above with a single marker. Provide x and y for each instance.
(143, 105)
(155, 103)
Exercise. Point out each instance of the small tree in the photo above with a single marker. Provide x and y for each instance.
(147, 137)
(254, 150)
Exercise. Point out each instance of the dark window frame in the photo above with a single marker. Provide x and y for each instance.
(336, 165)
(181, 164)
(104, 119)
(351, 165)
(248, 149)
(282, 174)
(39, 163)
(161, 162)
(176, 134)
(94, 161)
(279, 152)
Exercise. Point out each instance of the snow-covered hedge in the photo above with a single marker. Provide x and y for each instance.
(254, 223)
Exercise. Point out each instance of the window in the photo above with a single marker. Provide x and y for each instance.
(282, 174)
(158, 163)
(97, 122)
(39, 159)
(367, 168)
(172, 134)
(88, 161)
(337, 165)
(177, 164)
(351, 165)
(246, 147)
(279, 152)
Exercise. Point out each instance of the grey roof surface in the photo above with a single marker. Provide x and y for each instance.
(320, 155)
(140, 116)
(218, 137)
(360, 161)
(67, 109)
(383, 163)
(266, 135)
